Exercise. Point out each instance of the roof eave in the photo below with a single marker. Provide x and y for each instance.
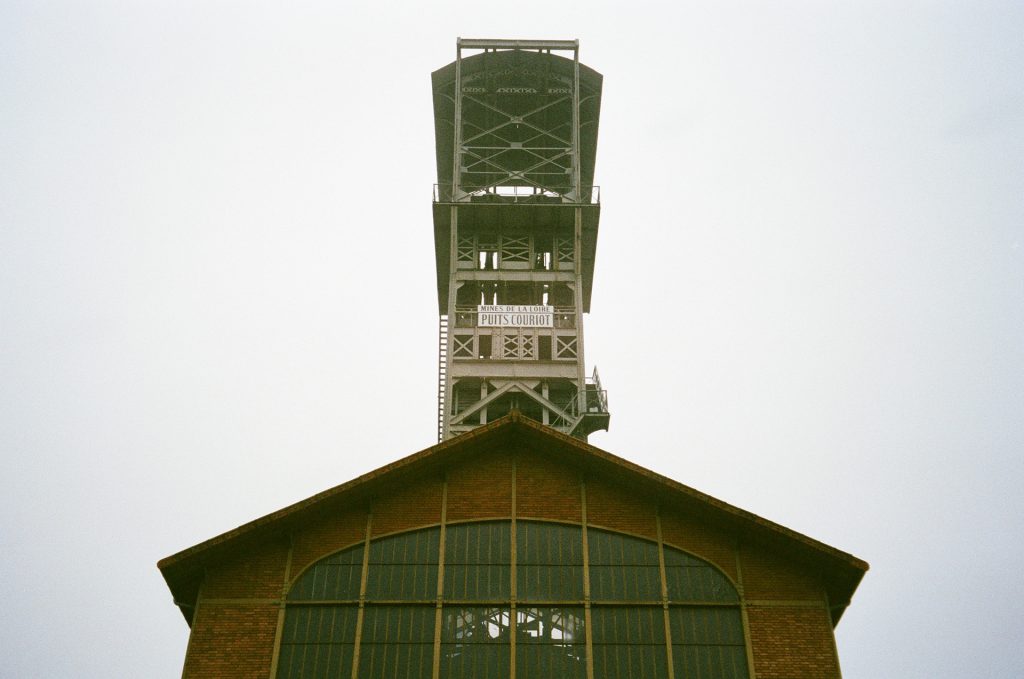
(182, 569)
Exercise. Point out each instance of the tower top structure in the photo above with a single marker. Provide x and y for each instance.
(516, 216)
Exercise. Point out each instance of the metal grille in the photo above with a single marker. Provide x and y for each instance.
(565, 346)
(463, 346)
(518, 345)
(465, 251)
(564, 251)
(515, 249)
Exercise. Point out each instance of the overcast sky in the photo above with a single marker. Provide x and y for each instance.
(217, 290)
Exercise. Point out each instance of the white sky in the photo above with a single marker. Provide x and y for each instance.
(217, 290)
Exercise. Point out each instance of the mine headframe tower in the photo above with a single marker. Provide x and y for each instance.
(515, 232)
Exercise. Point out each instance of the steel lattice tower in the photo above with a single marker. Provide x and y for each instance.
(515, 232)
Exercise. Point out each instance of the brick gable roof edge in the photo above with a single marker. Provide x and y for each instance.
(841, 570)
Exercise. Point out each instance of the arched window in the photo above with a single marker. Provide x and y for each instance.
(517, 601)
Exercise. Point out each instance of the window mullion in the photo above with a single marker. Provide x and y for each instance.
(587, 622)
(741, 590)
(513, 632)
(435, 671)
(664, 596)
(363, 576)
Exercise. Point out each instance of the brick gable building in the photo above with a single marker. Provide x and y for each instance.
(512, 551)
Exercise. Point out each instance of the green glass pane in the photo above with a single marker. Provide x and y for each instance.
(550, 642)
(628, 642)
(623, 568)
(404, 567)
(559, 625)
(478, 543)
(549, 583)
(625, 583)
(398, 624)
(419, 547)
(397, 641)
(545, 543)
(317, 641)
(549, 562)
(627, 624)
(478, 560)
(706, 625)
(476, 624)
(320, 661)
(691, 579)
(544, 661)
(710, 662)
(613, 549)
(396, 661)
(411, 582)
(634, 661)
(335, 577)
(479, 661)
(476, 583)
(475, 642)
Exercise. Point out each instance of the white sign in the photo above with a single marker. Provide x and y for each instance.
(515, 316)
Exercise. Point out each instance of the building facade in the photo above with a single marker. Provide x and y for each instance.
(512, 549)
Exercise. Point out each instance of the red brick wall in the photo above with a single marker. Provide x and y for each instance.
(325, 535)
(696, 537)
(768, 576)
(546, 489)
(257, 575)
(609, 507)
(790, 631)
(231, 641)
(481, 488)
(792, 643)
(416, 503)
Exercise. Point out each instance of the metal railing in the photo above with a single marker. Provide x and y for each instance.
(597, 398)
(592, 399)
(587, 195)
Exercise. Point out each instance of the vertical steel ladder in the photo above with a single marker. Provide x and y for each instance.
(442, 373)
